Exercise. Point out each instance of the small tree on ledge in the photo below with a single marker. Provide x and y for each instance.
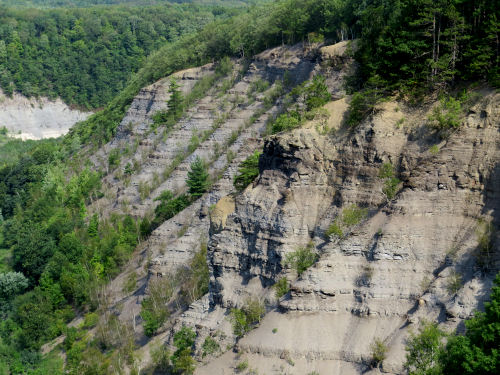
(197, 178)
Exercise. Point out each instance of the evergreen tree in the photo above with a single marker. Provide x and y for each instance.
(197, 178)
(175, 102)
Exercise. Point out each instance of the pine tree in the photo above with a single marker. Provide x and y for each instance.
(176, 101)
(197, 178)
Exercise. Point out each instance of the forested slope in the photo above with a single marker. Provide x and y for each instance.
(85, 56)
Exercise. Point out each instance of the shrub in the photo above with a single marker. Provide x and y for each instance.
(349, 217)
(194, 279)
(434, 149)
(378, 352)
(446, 115)
(258, 86)
(247, 172)
(353, 214)
(316, 93)
(485, 231)
(114, 158)
(244, 319)
(334, 229)
(391, 183)
(454, 283)
(286, 122)
(181, 359)
(281, 287)
(242, 366)
(210, 346)
(154, 309)
(169, 207)
(90, 320)
(130, 283)
(301, 259)
(160, 357)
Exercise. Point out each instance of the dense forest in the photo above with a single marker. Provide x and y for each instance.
(54, 257)
(406, 45)
(89, 3)
(85, 56)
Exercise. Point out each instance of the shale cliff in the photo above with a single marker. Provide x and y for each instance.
(387, 272)
(419, 201)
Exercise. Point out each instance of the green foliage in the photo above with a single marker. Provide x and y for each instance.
(131, 283)
(281, 287)
(244, 319)
(242, 366)
(11, 284)
(160, 357)
(391, 183)
(168, 208)
(446, 116)
(334, 229)
(210, 346)
(316, 93)
(434, 149)
(114, 158)
(378, 351)
(247, 171)
(90, 320)
(286, 122)
(197, 179)
(485, 231)
(86, 56)
(424, 350)
(362, 104)
(418, 45)
(349, 217)
(176, 101)
(353, 215)
(181, 359)
(302, 258)
(195, 277)
(154, 309)
(258, 86)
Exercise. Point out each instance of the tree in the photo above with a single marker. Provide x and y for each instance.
(11, 284)
(247, 172)
(175, 102)
(424, 350)
(197, 178)
(477, 351)
(181, 359)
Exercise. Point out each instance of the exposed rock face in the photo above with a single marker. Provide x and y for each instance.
(234, 120)
(387, 272)
(37, 118)
(382, 276)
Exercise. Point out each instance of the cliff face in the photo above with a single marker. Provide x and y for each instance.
(411, 254)
(37, 118)
(387, 272)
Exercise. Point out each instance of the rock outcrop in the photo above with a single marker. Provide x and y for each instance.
(411, 253)
(37, 118)
(386, 273)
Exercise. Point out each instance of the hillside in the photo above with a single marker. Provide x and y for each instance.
(386, 272)
(305, 188)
